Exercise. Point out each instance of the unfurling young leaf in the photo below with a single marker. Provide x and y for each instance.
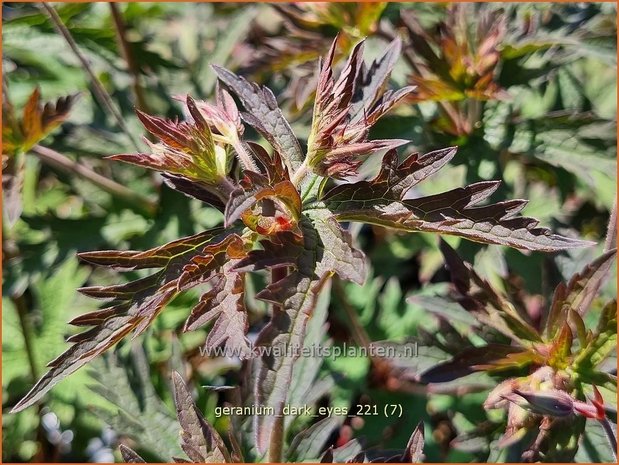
(19, 135)
(37, 122)
(340, 125)
(264, 116)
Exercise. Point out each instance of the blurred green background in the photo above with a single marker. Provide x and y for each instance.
(546, 127)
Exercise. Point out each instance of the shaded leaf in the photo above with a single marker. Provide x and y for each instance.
(414, 448)
(140, 414)
(129, 455)
(195, 189)
(579, 292)
(200, 441)
(490, 307)
(308, 444)
(487, 358)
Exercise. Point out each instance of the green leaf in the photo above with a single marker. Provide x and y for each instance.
(140, 413)
(129, 455)
(603, 341)
(595, 447)
(234, 33)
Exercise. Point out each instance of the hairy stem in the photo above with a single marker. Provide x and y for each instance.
(276, 444)
(277, 440)
(59, 161)
(104, 98)
(225, 188)
(244, 156)
(299, 175)
(611, 232)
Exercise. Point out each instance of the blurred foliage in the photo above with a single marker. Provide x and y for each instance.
(532, 103)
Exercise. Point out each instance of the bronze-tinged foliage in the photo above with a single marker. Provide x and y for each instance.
(19, 135)
(563, 358)
(38, 120)
(456, 63)
(277, 218)
(203, 444)
(457, 212)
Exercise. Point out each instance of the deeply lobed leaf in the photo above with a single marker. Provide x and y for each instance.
(184, 263)
(579, 292)
(457, 212)
(346, 108)
(264, 115)
(37, 122)
(323, 249)
(200, 441)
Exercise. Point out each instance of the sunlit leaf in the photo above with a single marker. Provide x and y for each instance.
(265, 116)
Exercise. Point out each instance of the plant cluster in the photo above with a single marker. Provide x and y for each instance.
(292, 208)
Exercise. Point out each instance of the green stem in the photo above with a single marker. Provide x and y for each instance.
(104, 98)
(22, 311)
(59, 161)
(11, 251)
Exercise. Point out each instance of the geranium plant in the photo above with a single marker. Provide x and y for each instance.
(285, 208)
